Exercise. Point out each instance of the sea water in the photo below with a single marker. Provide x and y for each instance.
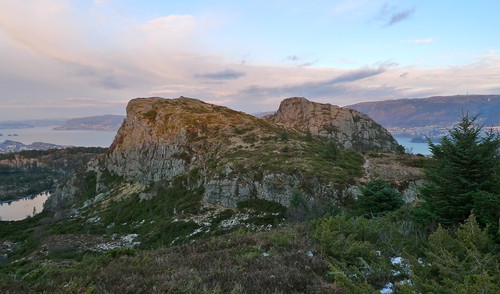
(14, 210)
(412, 147)
(80, 138)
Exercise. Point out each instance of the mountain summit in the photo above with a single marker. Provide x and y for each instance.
(232, 156)
(349, 128)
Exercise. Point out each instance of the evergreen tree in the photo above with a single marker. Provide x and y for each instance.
(457, 261)
(331, 150)
(465, 175)
(377, 199)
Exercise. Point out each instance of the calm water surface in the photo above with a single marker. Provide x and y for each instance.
(81, 138)
(22, 208)
(414, 148)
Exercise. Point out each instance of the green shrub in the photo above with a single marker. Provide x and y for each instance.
(465, 260)
(261, 205)
(377, 198)
(331, 150)
(351, 244)
(263, 212)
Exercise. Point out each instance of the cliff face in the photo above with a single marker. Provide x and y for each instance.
(235, 156)
(162, 138)
(349, 128)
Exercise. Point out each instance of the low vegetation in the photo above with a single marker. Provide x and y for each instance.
(164, 239)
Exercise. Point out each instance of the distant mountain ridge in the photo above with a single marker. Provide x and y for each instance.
(107, 122)
(440, 111)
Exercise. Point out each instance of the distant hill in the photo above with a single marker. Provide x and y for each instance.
(439, 111)
(97, 123)
(262, 114)
(9, 146)
(24, 124)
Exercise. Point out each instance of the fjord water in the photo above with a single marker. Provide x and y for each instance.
(89, 138)
(80, 138)
(22, 208)
(412, 147)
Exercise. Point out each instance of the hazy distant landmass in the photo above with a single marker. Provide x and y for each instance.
(96, 123)
(24, 124)
(9, 146)
(262, 114)
(440, 111)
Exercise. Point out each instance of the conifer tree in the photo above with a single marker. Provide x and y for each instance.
(465, 175)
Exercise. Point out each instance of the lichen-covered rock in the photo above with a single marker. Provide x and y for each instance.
(349, 128)
(164, 138)
(232, 156)
(276, 187)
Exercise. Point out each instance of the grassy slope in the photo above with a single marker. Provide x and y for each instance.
(333, 254)
(282, 261)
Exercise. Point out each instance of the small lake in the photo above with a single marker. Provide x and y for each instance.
(80, 138)
(15, 210)
(412, 147)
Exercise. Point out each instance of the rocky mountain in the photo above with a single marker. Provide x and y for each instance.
(234, 157)
(349, 128)
(97, 123)
(439, 111)
(194, 189)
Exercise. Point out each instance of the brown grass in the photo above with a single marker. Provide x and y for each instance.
(267, 262)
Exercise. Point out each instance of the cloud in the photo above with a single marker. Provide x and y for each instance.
(100, 77)
(227, 74)
(357, 75)
(400, 16)
(394, 15)
(421, 41)
(322, 88)
(50, 30)
(62, 52)
(310, 63)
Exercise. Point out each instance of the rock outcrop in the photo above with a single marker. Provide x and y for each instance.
(349, 128)
(162, 138)
(232, 156)
(235, 156)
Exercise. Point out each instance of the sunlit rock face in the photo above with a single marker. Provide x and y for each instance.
(349, 128)
(233, 156)
(227, 150)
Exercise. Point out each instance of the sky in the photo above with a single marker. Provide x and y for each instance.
(74, 58)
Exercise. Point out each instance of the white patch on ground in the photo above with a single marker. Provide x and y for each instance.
(197, 231)
(94, 219)
(126, 241)
(396, 260)
(387, 289)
